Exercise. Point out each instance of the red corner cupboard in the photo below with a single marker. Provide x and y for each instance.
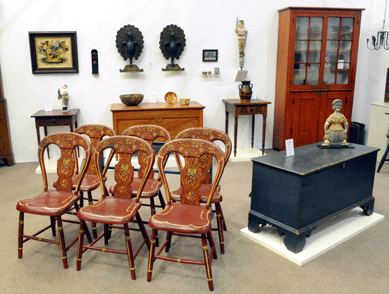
(316, 63)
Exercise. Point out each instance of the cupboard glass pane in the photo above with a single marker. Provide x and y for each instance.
(314, 51)
(342, 76)
(347, 28)
(333, 28)
(313, 74)
(300, 54)
(345, 45)
(316, 30)
(299, 74)
(302, 25)
(332, 51)
(329, 73)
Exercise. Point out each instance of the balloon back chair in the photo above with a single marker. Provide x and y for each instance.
(149, 133)
(211, 135)
(120, 209)
(56, 202)
(91, 181)
(187, 217)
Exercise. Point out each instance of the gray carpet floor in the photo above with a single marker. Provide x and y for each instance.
(360, 265)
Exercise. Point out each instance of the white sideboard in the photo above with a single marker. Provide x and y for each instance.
(379, 127)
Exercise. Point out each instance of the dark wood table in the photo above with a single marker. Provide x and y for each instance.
(297, 193)
(54, 118)
(252, 107)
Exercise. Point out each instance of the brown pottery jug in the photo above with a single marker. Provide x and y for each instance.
(245, 90)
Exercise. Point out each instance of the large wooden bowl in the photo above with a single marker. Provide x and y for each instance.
(131, 99)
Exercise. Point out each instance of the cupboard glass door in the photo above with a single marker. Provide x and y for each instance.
(338, 50)
(308, 44)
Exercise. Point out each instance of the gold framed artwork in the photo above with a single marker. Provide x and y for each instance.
(53, 52)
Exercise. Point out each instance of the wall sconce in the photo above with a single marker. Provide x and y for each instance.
(382, 37)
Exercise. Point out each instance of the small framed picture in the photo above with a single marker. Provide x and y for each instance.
(53, 52)
(210, 55)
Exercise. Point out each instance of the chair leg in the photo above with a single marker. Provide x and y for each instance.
(129, 251)
(62, 242)
(220, 226)
(169, 241)
(383, 159)
(207, 261)
(151, 255)
(212, 244)
(80, 243)
(142, 229)
(107, 234)
(161, 200)
(81, 199)
(52, 222)
(153, 212)
(21, 230)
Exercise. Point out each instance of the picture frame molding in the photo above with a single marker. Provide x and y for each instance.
(210, 59)
(53, 34)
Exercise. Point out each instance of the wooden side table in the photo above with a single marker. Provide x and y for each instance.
(174, 118)
(54, 118)
(252, 107)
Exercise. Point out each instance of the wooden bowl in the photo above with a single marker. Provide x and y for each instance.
(131, 99)
(184, 101)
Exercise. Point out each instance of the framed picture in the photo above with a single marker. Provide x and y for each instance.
(53, 52)
(210, 55)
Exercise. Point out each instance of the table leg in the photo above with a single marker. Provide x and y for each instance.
(263, 133)
(227, 122)
(235, 133)
(252, 130)
(48, 153)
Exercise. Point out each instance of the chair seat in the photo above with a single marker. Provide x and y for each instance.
(51, 203)
(183, 218)
(204, 191)
(150, 189)
(110, 210)
(89, 183)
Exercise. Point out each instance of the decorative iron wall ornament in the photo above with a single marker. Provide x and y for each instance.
(129, 41)
(172, 43)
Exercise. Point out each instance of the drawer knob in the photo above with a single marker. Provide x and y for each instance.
(251, 109)
(53, 120)
(159, 119)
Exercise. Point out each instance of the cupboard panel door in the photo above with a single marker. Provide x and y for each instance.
(305, 117)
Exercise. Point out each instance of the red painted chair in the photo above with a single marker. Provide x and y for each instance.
(149, 133)
(56, 202)
(120, 209)
(187, 217)
(211, 135)
(96, 133)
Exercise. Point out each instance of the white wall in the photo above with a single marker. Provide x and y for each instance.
(207, 25)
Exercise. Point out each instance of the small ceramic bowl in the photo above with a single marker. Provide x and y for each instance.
(131, 99)
(184, 101)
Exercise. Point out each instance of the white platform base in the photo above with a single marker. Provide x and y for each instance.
(323, 238)
(51, 165)
(245, 154)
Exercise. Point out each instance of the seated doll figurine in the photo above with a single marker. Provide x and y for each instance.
(333, 129)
